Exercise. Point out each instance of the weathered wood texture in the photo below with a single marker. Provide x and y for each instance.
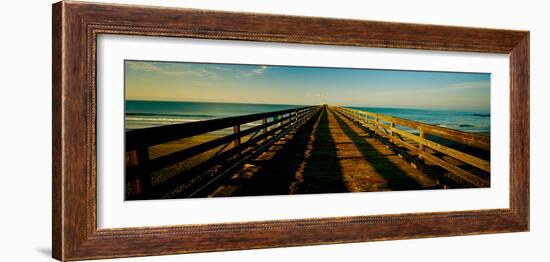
(140, 166)
(163, 134)
(374, 122)
(329, 155)
(333, 153)
(57, 183)
(471, 139)
(75, 29)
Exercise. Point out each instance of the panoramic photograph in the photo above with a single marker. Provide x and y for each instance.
(197, 130)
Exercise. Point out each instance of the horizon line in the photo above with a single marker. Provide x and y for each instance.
(365, 106)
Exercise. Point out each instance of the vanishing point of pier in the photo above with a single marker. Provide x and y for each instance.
(320, 149)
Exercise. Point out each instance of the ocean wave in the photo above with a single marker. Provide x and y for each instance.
(146, 119)
(460, 125)
(467, 127)
(144, 122)
(169, 114)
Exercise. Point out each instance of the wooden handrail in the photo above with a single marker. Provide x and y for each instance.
(140, 166)
(180, 155)
(163, 134)
(373, 122)
(475, 140)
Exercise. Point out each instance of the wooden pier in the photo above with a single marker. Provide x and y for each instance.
(308, 150)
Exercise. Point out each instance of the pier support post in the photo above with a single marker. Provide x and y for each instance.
(140, 156)
(264, 130)
(392, 126)
(237, 130)
(275, 118)
(421, 146)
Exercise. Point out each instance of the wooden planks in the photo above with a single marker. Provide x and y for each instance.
(334, 155)
(163, 134)
(475, 140)
(472, 160)
(141, 168)
(363, 156)
(417, 144)
(342, 157)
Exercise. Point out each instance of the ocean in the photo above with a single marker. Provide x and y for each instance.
(467, 121)
(143, 114)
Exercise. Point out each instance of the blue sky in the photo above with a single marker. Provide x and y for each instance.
(305, 85)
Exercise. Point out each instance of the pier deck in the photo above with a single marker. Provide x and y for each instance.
(309, 150)
(330, 154)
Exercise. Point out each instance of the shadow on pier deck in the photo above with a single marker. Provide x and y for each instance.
(330, 154)
(306, 151)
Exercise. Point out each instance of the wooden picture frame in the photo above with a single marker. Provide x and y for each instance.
(76, 26)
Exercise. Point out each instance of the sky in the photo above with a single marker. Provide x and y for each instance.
(235, 83)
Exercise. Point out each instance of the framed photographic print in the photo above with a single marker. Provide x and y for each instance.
(182, 130)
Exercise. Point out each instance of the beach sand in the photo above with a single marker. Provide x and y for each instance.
(174, 146)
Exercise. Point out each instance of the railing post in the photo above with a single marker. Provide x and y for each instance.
(275, 118)
(392, 126)
(289, 120)
(421, 146)
(264, 131)
(376, 127)
(237, 140)
(140, 157)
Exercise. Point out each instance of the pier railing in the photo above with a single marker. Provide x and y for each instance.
(388, 127)
(234, 148)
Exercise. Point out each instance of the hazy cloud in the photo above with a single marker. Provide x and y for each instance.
(470, 85)
(180, 70)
